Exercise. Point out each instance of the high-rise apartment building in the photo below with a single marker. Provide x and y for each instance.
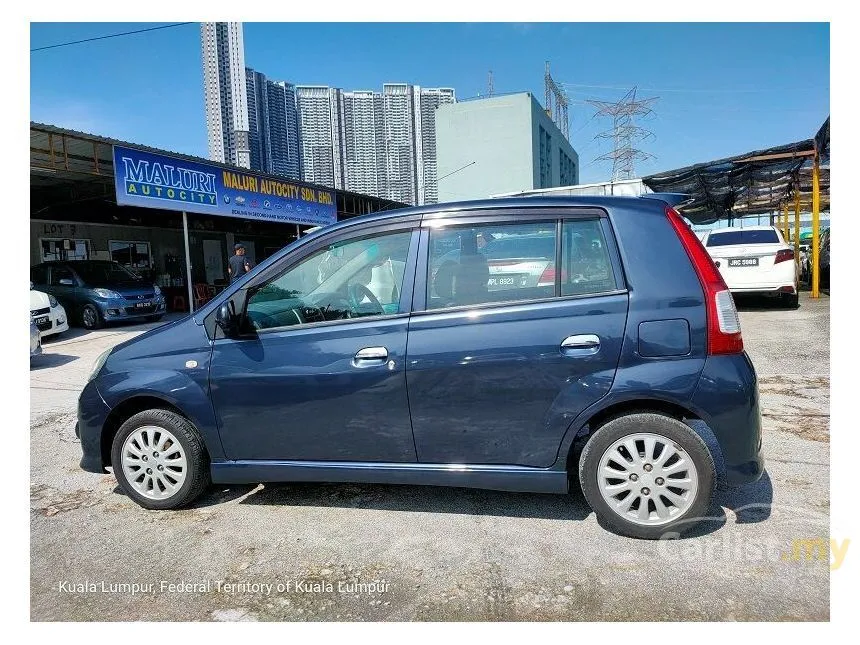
(376, 143)
(318, 115)
(282, 142)
(225, 92)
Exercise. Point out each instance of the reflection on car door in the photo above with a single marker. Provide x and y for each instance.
(500, 381)
(304, 387)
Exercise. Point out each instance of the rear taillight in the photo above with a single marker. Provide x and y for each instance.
(783, 255)
(548, 276)
(724, 329)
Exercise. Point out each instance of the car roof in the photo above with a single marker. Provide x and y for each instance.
(452, 210)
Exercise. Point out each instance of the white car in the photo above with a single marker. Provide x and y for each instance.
(755, 259)
(48, 314)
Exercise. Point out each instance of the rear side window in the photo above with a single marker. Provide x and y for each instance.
(743, 237)
(585, 261)
(491, 263)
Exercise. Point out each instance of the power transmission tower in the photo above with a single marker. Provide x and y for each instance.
(490, 88)
(559, 114)
(624, 132)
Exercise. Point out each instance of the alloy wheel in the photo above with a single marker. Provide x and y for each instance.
(647, 479)
(154, 462)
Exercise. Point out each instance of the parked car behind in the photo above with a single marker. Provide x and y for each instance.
(755, 259)
(410, 377)
(48, 314)
(95, 291)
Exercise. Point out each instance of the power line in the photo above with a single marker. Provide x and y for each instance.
(677, 89)
(124, 33)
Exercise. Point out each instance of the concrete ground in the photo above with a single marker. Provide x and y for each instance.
(434, 553)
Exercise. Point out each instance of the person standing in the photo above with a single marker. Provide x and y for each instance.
(238, 265)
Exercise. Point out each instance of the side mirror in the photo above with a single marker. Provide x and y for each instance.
(67, 282)
(31, 285)
(227, 320)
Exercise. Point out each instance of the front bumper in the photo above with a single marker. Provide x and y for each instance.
(128, 309)
(92, 414)
(728, 399)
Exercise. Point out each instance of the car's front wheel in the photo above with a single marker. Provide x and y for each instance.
(159, 459)
(647, 475)
(90, 316)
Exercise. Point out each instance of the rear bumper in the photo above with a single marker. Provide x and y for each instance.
(92, 414)
(727, 398)
(769, 288)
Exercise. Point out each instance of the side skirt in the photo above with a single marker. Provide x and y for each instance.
(492, 477)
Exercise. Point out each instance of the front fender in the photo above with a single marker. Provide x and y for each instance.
(186, 390)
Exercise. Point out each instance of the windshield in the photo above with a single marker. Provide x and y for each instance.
(765, 236)
(95, 273)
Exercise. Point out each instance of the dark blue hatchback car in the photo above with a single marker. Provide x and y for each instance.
(392, 348)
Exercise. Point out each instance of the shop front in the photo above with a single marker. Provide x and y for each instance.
(166, 216)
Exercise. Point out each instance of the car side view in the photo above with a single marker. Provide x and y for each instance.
(387, 349)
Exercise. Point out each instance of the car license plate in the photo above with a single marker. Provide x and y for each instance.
(142, 305)
(41, 320)
(743, 262)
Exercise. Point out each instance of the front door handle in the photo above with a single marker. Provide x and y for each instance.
(580, 345)
(369, 356)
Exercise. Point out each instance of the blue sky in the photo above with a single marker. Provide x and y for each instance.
(723, 89)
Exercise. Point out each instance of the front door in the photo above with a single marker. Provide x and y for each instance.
(320, 372)
(513, 341)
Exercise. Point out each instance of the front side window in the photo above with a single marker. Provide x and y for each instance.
(491, 263)
(346, 280)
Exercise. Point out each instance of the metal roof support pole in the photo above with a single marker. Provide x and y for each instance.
(785, 221)
(797, 224)
(816, 206)
(188, 262)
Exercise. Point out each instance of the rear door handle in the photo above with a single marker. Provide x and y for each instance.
(370, 356)
(580, 345)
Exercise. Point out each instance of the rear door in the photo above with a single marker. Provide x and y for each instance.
(496, 372)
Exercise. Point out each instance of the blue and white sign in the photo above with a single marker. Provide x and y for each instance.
(159, 181)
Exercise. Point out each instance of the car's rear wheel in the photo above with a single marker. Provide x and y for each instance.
(647, 475)
(90, 317)
(159, 459)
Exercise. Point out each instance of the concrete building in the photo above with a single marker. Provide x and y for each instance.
(225, 90)
(500, 144)
(429, 99)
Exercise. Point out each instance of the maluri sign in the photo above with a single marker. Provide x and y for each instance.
(160, 181)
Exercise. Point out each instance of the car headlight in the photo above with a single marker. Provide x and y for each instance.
(157, 290)
(107, 293)
(52, 300)
(97, 366)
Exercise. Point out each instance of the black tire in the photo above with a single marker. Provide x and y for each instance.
(155, 318)
(790, 300)
(684, 439)
(197, 479)
(91, 318)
